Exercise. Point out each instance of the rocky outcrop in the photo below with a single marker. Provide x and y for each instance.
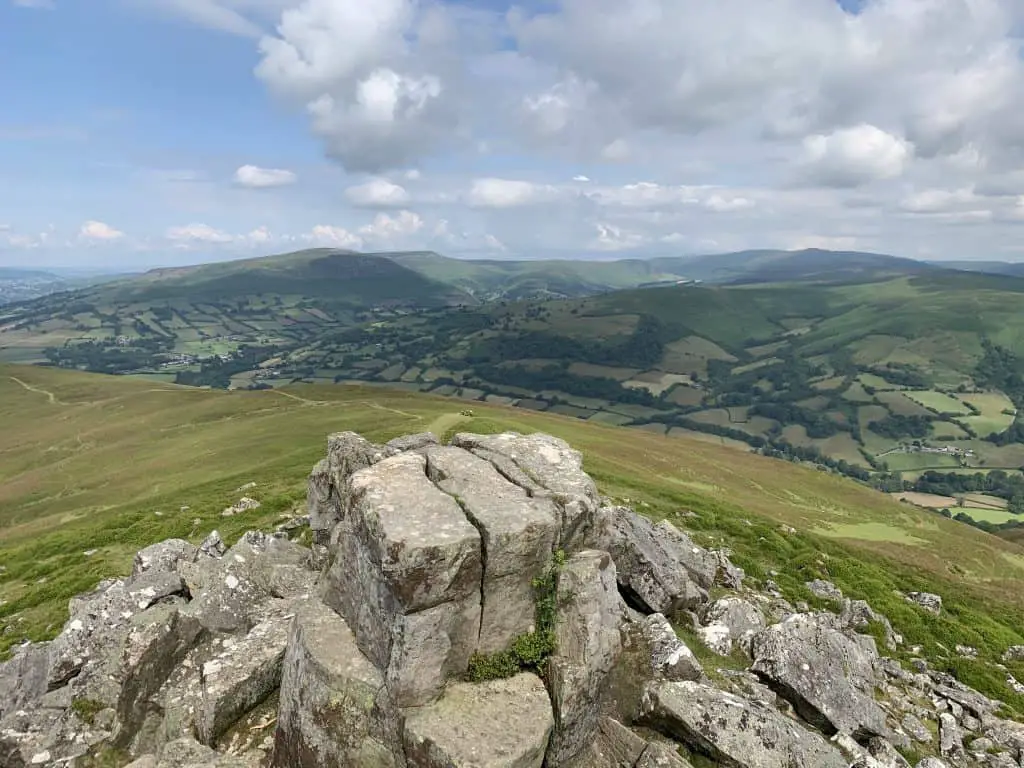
(475, 605)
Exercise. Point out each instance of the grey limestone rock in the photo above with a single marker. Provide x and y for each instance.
(733, 731)
(333, 707)
(825, 675)
(652, 564)
(588, 645)
(930, 602)
(544, 466)
(671, 659)
(498, 724)
(165, 556)
(406, 577)
(728, 621)
(825, 589)
(24, 678)
(413, 442)
(518, 535)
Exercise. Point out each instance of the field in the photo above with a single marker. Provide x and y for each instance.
(940, 402)
(92, 468)
(997, 412)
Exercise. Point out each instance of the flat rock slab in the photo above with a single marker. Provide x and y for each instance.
(826, 676)
(498, 724)
(518, 536)
(333, 709)
(543, 464)
(240, 676)
(733, 731)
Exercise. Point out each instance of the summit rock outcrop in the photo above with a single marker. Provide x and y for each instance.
(472, 605)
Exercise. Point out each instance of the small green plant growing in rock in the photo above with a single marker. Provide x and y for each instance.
(531, 650)
(87, 709)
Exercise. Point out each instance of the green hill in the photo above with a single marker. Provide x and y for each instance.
(93, 467)
(903, 374)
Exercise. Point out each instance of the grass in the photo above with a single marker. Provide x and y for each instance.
(90, 468)
(940, 402)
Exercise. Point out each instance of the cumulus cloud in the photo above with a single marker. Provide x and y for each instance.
(98, 231)
(510, 193)
(390, 230)
(254, 177)
(191, 234)
(377, 193)
(376, 100)
(853, 156)
(334, 237)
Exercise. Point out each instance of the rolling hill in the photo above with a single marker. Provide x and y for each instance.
(93, 468)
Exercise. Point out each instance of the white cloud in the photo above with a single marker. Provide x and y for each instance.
(255, 177)
(938, 200)
(377, 193)
(5, 227)
(192, 234)
(613, 238)
(390, 230)
(509, 193)
(334, 237)
(853, 156)
(722, 204)
(374, 101)
(98, 231)
(581, 178)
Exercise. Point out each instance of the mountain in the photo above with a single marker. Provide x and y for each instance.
(97, 468)
(26, 284)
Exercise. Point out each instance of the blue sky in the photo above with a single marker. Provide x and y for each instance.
(137, 133)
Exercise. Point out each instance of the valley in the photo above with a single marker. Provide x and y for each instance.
(876, 368)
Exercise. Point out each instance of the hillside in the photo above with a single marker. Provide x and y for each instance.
(900, 375)
(93, 468)
(177, 317)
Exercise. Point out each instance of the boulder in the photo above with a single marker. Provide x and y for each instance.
(497, 724)
(333, 707)
(99, 621)
(731, 730)
(651, 562)
(406, 577)
(1014, 653)
(671, 659)
(588, 643)
(163, 557)
(239, 677)
(826, 676)
(928, 601)
(826, 590)
(614, 745)
(915, 729)
(658, 755)
(412, 442)
(544, 466)
(951, 740)
(728, 621)
(518, 536)
(323, 504)
(347, 453)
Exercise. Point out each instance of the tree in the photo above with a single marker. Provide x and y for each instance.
(1016, 505)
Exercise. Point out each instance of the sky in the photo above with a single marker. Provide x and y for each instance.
(141, 133)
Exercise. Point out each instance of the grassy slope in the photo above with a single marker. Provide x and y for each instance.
(87, 462)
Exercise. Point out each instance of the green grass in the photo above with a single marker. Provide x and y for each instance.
(940, 402)
(902, 462)
(87, 462)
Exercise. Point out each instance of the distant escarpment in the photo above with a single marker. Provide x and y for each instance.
(475, 605)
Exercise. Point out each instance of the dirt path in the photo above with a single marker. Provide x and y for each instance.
(446, 421)
(52, 397)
